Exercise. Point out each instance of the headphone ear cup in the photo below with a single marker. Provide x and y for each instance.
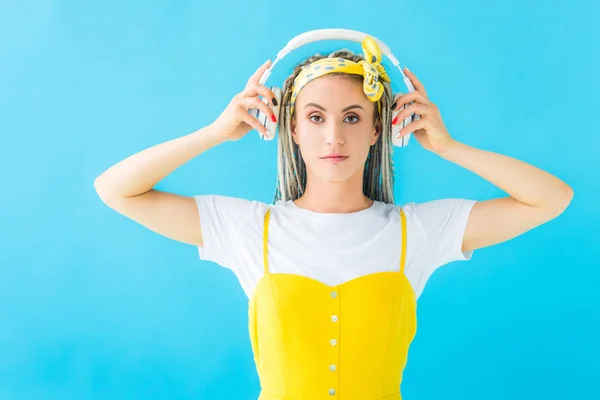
(403, 141)
(265, 120)
(272, 126)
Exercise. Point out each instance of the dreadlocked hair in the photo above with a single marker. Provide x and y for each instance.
(378, 176)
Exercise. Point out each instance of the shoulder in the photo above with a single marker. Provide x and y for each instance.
(438, 215)
(228, 208)
(435, 235)
(223, 219)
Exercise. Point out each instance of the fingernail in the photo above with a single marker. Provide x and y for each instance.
(273, 118)
(394, 106)
(274, 101)
(394, 121)
(407, 68)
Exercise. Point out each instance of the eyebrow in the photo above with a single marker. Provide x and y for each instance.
(343, 110)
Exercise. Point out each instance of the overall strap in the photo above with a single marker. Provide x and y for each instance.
(403, 251)
(266, 240)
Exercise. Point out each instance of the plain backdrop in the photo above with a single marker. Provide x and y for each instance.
(94, 306)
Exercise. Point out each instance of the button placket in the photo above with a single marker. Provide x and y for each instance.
(334, 342)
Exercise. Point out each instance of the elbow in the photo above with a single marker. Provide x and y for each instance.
(567, 194)
(563, 199)
(106, 195)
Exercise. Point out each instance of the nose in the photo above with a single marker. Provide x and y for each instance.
(334, 134)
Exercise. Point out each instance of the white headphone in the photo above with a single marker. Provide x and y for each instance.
(333, 34)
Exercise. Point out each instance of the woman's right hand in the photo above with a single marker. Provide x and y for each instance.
(235, 121)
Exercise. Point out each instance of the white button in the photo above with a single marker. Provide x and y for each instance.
(334, 294)
(334, 318)
(333, 342)
(332, 367)
(332, 391)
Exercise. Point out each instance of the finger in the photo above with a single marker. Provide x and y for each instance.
(412, 127)
(409, 98)
(415, 108)
(253, 122)
(259, 72)
(259, 89)
(255, 102)
(415, 81)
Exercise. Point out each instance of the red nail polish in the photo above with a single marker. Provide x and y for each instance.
(273, 118)
(394, 121)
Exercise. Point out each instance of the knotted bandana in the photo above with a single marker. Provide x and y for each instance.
(370, 68)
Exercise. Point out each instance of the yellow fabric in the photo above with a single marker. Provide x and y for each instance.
(370, 68)
(313, 341)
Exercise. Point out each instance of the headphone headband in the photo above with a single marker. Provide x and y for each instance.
(318, 35)
(331, 34)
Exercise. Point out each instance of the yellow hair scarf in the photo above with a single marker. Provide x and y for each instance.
(370, 68)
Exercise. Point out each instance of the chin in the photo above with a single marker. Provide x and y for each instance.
(333, 172)
(334, 177)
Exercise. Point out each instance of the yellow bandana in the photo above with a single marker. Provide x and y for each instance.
(370, 68)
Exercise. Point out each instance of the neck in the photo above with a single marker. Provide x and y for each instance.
(334, 197)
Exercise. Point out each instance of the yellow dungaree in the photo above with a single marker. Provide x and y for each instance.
(313, 341)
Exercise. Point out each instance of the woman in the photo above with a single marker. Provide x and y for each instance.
(333, 269)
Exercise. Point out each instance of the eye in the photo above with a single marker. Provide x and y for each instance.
(314, 116)
(353, 116)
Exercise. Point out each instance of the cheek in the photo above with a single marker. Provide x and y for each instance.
(303, 126)
(310, 147)
(360, 136)
(307, 136)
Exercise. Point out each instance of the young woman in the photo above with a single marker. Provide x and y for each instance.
(333, 268)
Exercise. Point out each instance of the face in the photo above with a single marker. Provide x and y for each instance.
(334, 127)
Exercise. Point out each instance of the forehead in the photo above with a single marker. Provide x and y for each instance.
(334, 88)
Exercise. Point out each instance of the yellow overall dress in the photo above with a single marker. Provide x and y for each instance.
(312, 341)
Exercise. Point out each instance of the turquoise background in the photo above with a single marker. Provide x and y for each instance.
(94, 306)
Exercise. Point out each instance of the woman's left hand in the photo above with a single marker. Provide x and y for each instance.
(430, 129)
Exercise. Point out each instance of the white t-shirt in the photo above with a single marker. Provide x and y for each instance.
(331, 248)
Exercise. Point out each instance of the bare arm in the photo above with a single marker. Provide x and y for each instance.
(535, 196)
(128, 186)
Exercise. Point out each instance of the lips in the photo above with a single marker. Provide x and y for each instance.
(335, 158)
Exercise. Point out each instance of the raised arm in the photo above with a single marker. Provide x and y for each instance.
(534, 196)
(128, 186)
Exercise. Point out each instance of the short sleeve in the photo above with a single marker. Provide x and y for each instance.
(437, 231)
(221, 219)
